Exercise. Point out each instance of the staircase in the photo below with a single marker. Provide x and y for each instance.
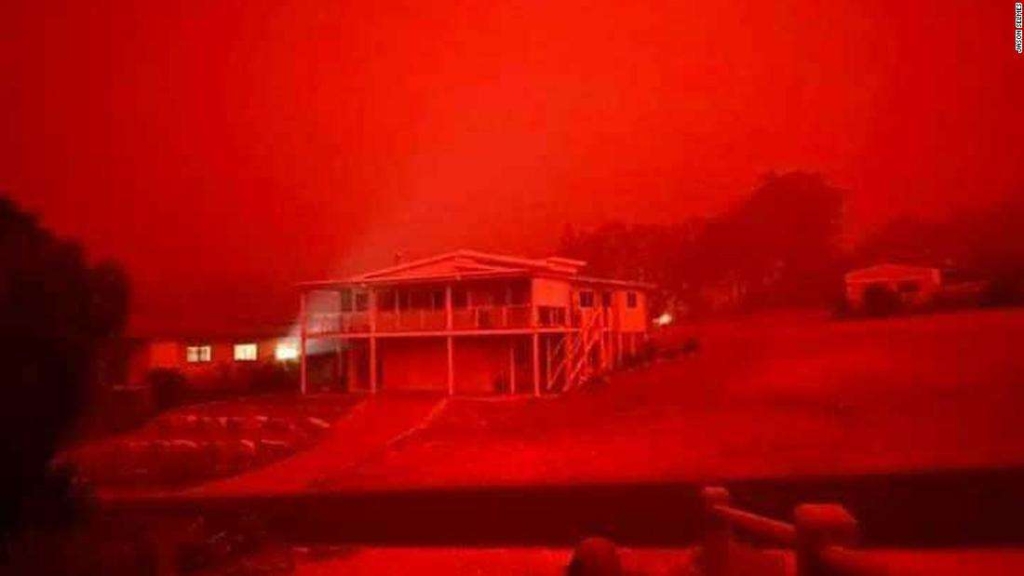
(574, 350)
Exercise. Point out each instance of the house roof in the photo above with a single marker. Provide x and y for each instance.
(467, 264)
(242, 333)
(890, 272)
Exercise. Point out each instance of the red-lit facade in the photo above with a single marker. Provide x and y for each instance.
(468, 322)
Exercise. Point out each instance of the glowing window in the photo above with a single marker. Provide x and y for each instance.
(246, 352)
(199, 353)
(286, 351)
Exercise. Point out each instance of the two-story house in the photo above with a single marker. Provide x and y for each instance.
(468, 322)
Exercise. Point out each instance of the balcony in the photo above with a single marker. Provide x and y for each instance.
(424, 320)
(492, 317)
(411, 321)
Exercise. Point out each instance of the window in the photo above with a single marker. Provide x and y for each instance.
(362, 301)
(630, 299)
(387, 300)
(199, 353)
(586, 299)
(551, 315)
(908, 287)
(286, 351)
(346, 300)
(544, 315)
(403, 299)
(426, 300)
(246, 352)
(437, 299)
(520, 294)
(606, 299)
(459, 298)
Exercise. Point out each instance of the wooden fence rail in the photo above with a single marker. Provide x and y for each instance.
(823, 537)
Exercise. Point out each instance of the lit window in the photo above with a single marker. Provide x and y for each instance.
(245, 352)
(286, 351)
(630, 299)
(586, 299)
(198, 353)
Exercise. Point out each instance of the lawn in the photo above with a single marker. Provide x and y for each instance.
(773, 395)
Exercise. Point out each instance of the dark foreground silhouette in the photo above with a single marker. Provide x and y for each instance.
(956, 508)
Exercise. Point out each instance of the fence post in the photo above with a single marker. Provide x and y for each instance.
(595, 556)
(717, 533)
(817, 527)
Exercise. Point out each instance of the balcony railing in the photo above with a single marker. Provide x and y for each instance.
(329, 322)
(491, 317)
(411, 321)
(473, 318)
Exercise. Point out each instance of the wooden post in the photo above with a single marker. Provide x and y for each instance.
(336, 373)
(167, 535)
(449, 323)
(372, 305)
(819, 526)
(302, 343)
(595, 556)
(451, 365)
(512, 366)
(547, 362)
(373, 364)
(536, 363)
(569, 339)
(336, 368)
(717, 534)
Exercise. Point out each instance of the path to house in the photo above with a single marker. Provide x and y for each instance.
(369, 427)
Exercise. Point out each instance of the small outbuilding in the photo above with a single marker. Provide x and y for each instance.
(892, 285)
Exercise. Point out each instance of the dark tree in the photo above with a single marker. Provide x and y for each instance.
(780, 245)
(55, 313)
(783, 241)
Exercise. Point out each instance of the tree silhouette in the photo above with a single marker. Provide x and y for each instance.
(780, 245)
(55, 312)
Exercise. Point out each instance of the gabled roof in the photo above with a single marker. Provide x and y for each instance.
(466, 264)
(890, 271)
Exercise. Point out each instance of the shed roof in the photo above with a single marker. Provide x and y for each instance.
(891, 272)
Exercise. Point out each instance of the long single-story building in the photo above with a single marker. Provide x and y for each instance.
(204, 358)
(469, 322)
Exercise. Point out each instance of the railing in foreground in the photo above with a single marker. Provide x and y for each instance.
(823, 536)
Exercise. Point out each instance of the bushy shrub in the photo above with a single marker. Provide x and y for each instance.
(168, 387)
(273, 377)
(56, 312)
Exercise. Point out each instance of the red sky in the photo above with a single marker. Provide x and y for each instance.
(223, 150)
